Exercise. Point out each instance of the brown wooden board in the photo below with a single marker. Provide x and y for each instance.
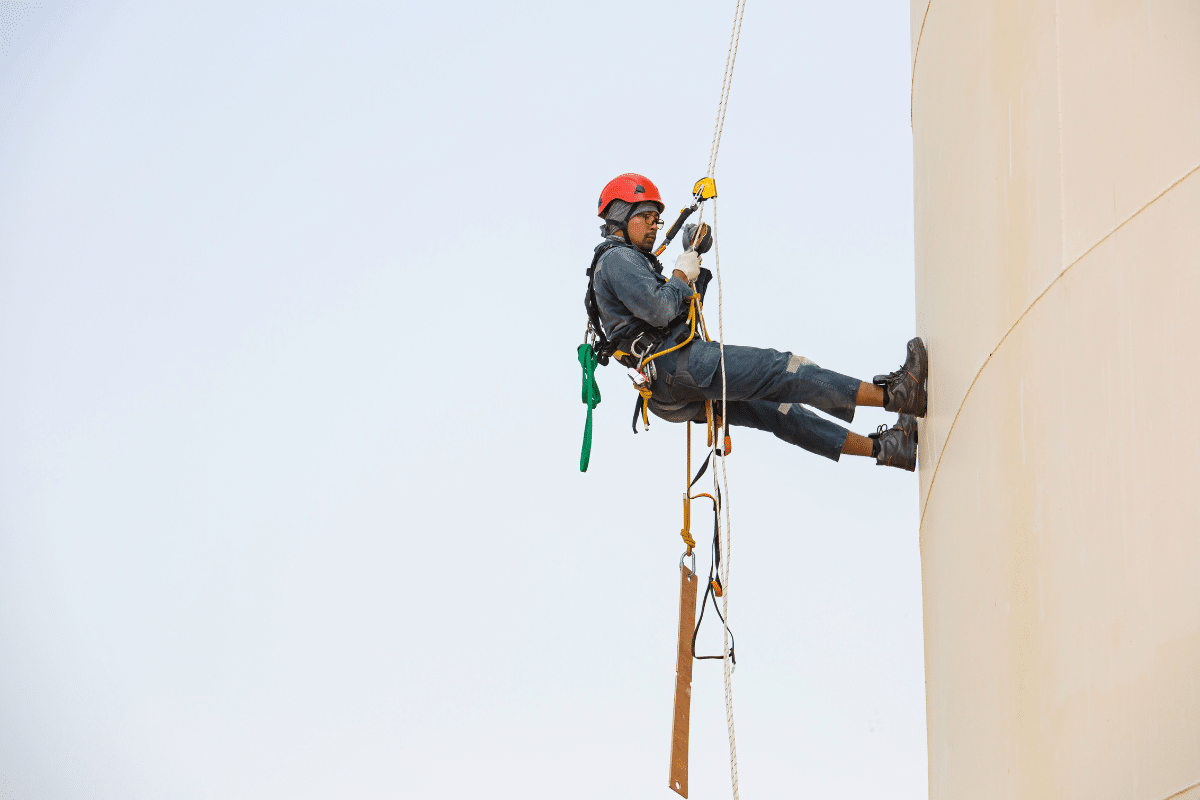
(688, 584)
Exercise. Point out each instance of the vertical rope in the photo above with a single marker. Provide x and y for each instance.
(719, 464)
(726, 85)
(725, 663)
(719, 461)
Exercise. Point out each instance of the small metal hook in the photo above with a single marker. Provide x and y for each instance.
(686, 553)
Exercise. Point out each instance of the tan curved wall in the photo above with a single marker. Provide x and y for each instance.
(1057, 182)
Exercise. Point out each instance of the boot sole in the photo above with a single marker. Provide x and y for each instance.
(922, 394)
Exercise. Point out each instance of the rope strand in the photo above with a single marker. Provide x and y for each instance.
(726, 663)
(726, 84)
(718, 129)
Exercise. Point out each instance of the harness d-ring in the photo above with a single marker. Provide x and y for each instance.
(687, 553)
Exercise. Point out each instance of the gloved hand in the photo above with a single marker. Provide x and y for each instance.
(689, 265)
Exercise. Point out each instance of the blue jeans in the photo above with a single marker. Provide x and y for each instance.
(765, 389)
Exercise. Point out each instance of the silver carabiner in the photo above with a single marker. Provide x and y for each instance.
(685, 555)
(642, 352)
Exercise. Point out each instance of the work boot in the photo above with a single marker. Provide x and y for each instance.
(904, 389)
(896, 446)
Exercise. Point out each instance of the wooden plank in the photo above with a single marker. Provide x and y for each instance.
(678, 780)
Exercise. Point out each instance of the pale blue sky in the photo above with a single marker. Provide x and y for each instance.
(290, 420)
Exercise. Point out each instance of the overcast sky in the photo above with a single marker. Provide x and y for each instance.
(290, 416)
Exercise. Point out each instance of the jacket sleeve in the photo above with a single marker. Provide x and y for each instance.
(640, 290)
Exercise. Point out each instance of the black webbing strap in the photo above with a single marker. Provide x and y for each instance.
(604, 347)
(713, 571)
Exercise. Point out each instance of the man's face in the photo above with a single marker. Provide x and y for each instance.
(643, 230)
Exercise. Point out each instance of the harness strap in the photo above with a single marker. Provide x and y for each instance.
(606, 348)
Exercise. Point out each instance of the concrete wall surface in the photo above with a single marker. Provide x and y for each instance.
(1057, 180)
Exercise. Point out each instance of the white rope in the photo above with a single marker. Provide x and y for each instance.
(725, 662)
(735, 36)
(718, 129)
(719, 461)
(726, 85)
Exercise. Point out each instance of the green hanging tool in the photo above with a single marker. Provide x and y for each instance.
(591, 396)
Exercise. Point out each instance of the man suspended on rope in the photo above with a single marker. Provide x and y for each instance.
(635, 311)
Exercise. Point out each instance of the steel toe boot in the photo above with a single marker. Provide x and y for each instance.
(897, 446)
(904, 389)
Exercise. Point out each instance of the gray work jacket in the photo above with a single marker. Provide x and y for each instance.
(629, 288)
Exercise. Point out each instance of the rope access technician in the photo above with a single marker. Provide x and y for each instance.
(636, 311)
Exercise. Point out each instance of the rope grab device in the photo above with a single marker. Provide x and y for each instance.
(705, 189)
(597, 349)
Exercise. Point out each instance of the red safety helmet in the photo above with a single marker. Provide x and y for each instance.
(630, 187)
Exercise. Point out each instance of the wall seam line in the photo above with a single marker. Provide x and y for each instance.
(912, 87)
(1187, 788)
(1028, 308)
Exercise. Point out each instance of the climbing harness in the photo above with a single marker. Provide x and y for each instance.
(637, 349)
(594, 334)
(642, 381)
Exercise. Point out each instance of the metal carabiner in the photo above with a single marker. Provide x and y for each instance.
(692, 574)
(645, 350)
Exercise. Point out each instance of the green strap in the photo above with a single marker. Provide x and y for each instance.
(591, 396)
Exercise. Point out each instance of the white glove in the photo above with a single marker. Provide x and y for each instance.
(689, 265)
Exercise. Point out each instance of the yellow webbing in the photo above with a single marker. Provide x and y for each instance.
(686, 532)
(687, 524)
(693, 312)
